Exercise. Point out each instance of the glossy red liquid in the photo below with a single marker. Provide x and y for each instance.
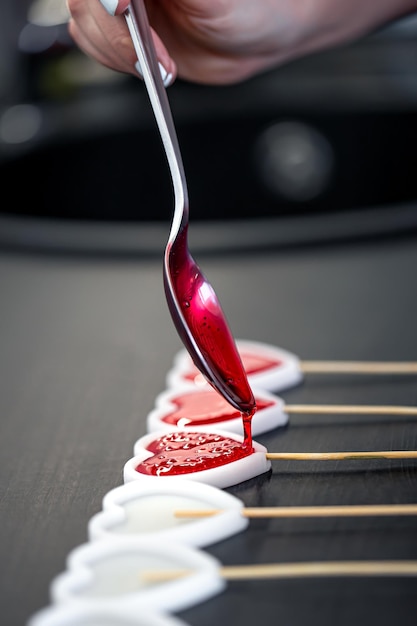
(187, 452)
(207, 323)
(204, 407)
(253, 364)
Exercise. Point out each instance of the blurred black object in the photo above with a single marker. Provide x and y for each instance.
(320, 136)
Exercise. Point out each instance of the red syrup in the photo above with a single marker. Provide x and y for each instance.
(188, 452)
(207, 323)
(253, 364)
(203, 408)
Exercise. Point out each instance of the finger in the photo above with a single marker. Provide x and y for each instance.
(107, 38)
(104, 38)
(168, 69)
(85, 44)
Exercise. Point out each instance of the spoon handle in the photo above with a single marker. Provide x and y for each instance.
(140, 33)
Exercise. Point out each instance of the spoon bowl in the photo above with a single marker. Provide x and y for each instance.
(193, 304)
(202, 325)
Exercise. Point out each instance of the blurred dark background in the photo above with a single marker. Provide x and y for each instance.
(320, 137)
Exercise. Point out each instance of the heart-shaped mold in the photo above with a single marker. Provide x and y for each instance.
(267, 367)
(148, 510)
(114, 574)
(217, 458)
(202, 408)
(97, 615)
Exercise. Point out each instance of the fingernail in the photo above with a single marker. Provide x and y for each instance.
(166, 78)
(139, 69)
(110, 6)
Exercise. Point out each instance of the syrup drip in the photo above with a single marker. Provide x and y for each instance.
(187, 452)
(247, 430)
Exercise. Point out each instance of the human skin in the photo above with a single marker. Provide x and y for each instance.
(227, 41)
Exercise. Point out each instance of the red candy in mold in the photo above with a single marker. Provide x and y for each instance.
(252, 363)
(204, 408)
(184, 452)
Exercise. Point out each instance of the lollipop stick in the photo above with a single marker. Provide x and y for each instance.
(337, 568)
(350, 409)
(358, 367)
(298, 570)
(340, 456)
(366, 510)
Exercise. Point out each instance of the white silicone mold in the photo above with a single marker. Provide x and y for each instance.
(281, 368)
(203, 408)
(222, 476)
(113, 573)
(147, 509)
(97, 615)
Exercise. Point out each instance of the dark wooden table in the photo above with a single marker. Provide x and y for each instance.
(85, 345)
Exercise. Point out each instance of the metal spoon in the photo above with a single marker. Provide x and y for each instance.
(192, 302)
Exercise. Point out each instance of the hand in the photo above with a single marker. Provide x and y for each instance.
(226, 41)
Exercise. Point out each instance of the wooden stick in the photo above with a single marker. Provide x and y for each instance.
(358, 367)
(350, 409)
(340, 456)
(298, 570)
(365, 510)
(336, 568)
